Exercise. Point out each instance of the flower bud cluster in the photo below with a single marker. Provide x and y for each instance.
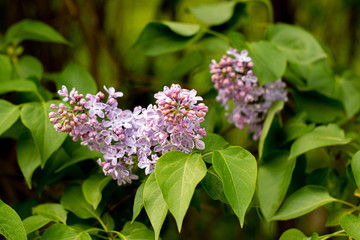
(238, 86)
(127, 137)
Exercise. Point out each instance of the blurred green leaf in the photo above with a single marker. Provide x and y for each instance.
(334, 216)
(295, 43)
(62, 232)
(35, 222)
(213, 185)
(30, 67)
(348, 92)
(11, 226)
(35, 117)
(296, 127)
(293, 234)
(302, 202)
(238, 41)
(138, 201)
(273, 181)
(74, 201)
(320, 137)
(75, 76)
(355, 167)
(19, 85)
(136, 231)
(269, 62)
(53, 211)
(28, 156)
(33, 30)
(237, 169)
(351, 224)
(9, 113)
(319, 108)
(184, 65)
(92, 188)
(178, 174)
(214, 14)
(154, 203)
(5, 69)
(275, 107)
(108, 221)
(214, 142)
(163, 37)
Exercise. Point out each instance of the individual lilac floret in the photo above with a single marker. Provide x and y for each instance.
(238, 86)
(127, 137)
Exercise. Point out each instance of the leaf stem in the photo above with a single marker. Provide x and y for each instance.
(118, 233)
(346, 203)
(335, 234)
(217, 34)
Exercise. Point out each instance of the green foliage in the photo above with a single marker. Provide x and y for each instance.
(178, 174)
(11, 226)
(308, 149)
(237, 170)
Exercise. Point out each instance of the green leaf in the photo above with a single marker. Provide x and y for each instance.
(303, 201)
(75, 76)
(20, 85)
(53, 211)
(293, 234)
(74, 201)
(28, 156)
(63, 232)
(34, 223)
(163, 37)
(238, 41)
(348, 93)
(5, 69)
(335, 215)
(269, 62)
(154, 204)
(30, 67)
(138, 201)
(79, 154)
(237, 170)
(275, 107)
(33, 30)
(108, 221)
(214, 14)
(319, 108)
(351, 224)
(273, 181)
(296, 127)
(35, 117)
(320, 137)
(213, 185)
(314, 236)
(295, 43)
(92, 188)
(11, 226)
(214, 142)
(178, 174)
(355, 167)
(136, 231)
(9, 113)
(318, 76)
(184, 65)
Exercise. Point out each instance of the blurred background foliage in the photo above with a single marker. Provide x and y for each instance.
(103, 33)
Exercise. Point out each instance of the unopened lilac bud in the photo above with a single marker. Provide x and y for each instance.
(52, 114)
(53, 106)
(82, 102)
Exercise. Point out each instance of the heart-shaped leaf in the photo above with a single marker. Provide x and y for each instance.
(11, 226)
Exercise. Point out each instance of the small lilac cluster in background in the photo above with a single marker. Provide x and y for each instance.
(126, 137)
(237, 84)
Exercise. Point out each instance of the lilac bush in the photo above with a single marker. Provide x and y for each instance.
(126, 137)
(240, 93)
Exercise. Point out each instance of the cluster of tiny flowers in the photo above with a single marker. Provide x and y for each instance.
(238, 86)
(127, 137)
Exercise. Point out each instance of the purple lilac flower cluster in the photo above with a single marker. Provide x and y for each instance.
(125, 137)
(238, 86)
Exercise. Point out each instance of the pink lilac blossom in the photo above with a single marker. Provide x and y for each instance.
(238, 86)
(127, 137)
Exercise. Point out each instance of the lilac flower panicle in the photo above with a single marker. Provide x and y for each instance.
(236, 83)
(125, 137)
